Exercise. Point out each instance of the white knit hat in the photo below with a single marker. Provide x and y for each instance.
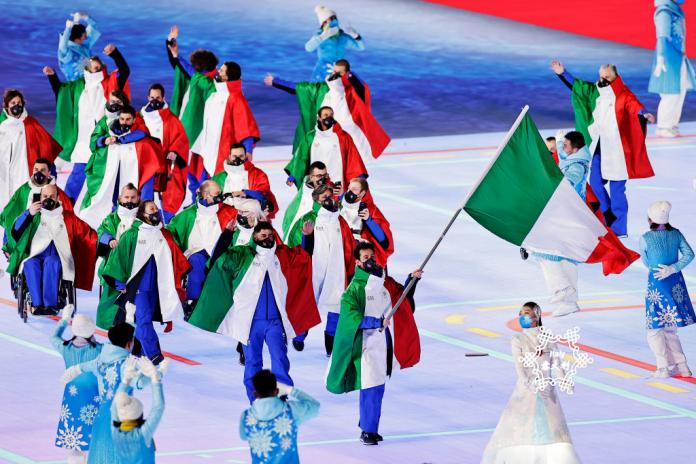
(659, 212)
(323, 13)
(127, 407)
(83, 326)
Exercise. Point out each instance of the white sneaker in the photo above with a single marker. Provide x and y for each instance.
(666, 133)
(661, 373)
(566, 309)
(683, 370)
(561, 295)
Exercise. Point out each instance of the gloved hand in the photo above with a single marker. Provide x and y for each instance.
(130, 312)
(129, 371)
(71, 373)
(330, 32)
(560, 135)
(68, 24)
(663, 271)
(149, 370)
(660, 66)
(163, 367)
(284, 389)
(351, 32)
(68, 312)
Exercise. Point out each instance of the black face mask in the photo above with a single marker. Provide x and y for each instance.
(218, 78)
(155, 105)
(129, 205)
(17, 109)
(330, 204)
(39, 178)
(314, 184)
(243, 221)
(603, 83)
(350, 197)
(333, 77)
(328, 122)
(120, 129)
(371, 267)
(267, 242)
(236, 161)
(114, 107)
(154, 218)
(49, 204)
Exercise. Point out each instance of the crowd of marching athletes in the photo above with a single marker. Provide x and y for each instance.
(214, 258)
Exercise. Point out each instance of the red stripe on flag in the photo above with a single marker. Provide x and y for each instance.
(613, 254)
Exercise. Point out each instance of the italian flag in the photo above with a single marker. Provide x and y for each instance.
(524, 199)
(350, 112)
(611, 113)
(182, 224)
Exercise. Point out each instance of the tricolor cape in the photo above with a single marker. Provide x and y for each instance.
(67, 109)
(345, 365)
(182, 224)
(300, 205)
(228, 272)
(258, 180)
(381, 254)
(83, 246)
(540, 210)
(353, 165)
(624, 155)
(107, 308)
(40, 144)
(349, 111)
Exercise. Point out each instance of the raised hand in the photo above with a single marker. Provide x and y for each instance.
(307, 228)
(268, 80)
(48, 71)
(557, 67)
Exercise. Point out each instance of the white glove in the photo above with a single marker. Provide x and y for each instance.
(149, 370)
(71, 373)
(660, 66)
(76, 16)
(68, 312)
(163, 367)
(663, 271)
(351, 32)
(130, 312)
(560, 135)
(284, 389)
(129, 370)
(330, 32)
(68, 24)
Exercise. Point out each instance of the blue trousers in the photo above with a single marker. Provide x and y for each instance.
(615, 200)
(272, 333)
(75, 182)
(330, 329)
(42, 273)
(371, 408)
(145, 306)
(195, 182)
(196, 277)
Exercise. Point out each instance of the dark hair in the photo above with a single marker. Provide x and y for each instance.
(318, 191)
(121, 95)
(233, 70)
(364, 186)
(262, 225)
(238, 145)
(130, 186)
(344, 63)
(45, 161)
(203, 60)
(576, 139)
(77, 31)
(532, 305)
(127, 109)
(265, 383)
(317, 165)
(362, 246)
(551, 139)
(323, 108)
(140, 214)
(156, 86)
(654, 226)
(9, 95)
(121, 334)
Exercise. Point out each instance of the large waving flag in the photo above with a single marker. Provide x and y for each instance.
(523, 198)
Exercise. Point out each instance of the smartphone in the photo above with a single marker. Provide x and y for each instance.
(36, 197)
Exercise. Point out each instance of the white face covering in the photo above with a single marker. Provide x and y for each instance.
(124, 212)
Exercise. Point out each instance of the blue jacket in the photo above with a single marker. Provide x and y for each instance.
(670, 28)
(330, 50)
(137, 446)
(73, 57)
(663, 247)
(575, 167)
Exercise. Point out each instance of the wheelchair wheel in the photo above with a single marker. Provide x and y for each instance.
(23, 300)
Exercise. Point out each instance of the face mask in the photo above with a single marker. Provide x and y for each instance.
(328, 122)
(155, 105)
(267, 242)
(333, 77)
(49, 204)
(350, 197)
(371, 267)
(120, 129)
(330, 204)
(603, 83)
(317, 183)
(39, 178)
(17, 109)
(129, 204)
(333, 23)
(243, 221)
(114, 107)
(236, 161)
(154, 218)
(526, 321)
(218, 78)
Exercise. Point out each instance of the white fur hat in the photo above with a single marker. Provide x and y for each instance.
(323, 13)
(659, 212)
(83, 326)
(128, 408)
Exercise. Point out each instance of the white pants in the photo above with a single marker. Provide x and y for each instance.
(670, 108)
(76, 457)
(562, 279)
(666, 346)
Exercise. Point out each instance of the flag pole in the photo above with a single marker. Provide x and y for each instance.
(388, 314)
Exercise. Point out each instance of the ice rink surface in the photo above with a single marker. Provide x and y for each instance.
(444, 409)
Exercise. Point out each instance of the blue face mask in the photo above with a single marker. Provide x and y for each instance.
(333, 23)
(526, 321)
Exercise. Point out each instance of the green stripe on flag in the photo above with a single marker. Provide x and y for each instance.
(516, 188)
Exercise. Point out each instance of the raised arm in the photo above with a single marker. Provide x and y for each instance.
(303, 406)
(120, 62)
(53, 79)
(567, 78)
(93, 33)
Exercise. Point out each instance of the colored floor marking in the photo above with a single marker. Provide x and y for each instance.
(578, 379)
(668, 388)
(581, 302)
(421, 157)
(455, 319)
(484, 332)
(100, 332)
(620, 373)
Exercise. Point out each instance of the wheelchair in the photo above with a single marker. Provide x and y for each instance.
(66, 295)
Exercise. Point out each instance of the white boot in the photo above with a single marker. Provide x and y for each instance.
(661, 373)
(667, 133)
(565, 309)
(682, 369)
